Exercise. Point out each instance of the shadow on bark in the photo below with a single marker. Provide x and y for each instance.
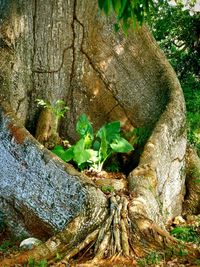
(130, 81)
(121, 225)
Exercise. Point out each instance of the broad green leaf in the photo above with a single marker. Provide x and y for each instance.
(112, 129)
(93, 155)
(84, 127)
(96, 145)
(69, 154)
(121, 145)
(88, 141)
(81, 155)
(65, 155)
(57, 148)
(59, 151)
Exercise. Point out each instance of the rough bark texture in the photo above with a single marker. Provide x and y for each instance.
(161, 171)
(68, 50)
(192, 197)
(58, 53)
(38, 193)
(101, 73)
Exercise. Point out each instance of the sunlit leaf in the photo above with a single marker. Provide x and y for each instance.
(65, 155)
(84, 127)
(94, 155)
(121, 145)
(81, 155)
(112, 129)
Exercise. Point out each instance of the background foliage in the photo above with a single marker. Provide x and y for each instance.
(176, 27)
(177, 30)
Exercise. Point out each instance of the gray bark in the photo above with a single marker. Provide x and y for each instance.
(59, 54)
(39, 193)
(192, 197)
(68, 50)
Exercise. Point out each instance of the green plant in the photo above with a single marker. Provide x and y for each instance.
(33, 263)
(138, 136)
(153, 257)
(186, 234)
(128, 13)
(197, 262)
(112, 166)
(107, 189)
(6, 245)
(58, 108)
(58, 256)
(183, 252)
(176, 30)
(93, 150)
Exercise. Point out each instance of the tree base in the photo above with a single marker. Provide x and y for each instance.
(122, 238)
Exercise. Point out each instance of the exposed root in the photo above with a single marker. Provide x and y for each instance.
(125, 243)
(120, 236)
(91, 237)
(103, 246)
(115, 231)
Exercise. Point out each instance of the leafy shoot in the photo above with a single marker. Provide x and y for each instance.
(92, 150)
(58, 108)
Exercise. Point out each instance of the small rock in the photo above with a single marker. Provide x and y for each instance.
(29, 243)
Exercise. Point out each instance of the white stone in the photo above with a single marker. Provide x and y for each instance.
(30, 242)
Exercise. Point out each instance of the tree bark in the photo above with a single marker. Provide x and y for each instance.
(68, 50)
(66, 57)
(192, 197)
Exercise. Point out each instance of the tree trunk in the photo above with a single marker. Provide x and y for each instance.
(192, 197)
(67, 50)
(66, 57)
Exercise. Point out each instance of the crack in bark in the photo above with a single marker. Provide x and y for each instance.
(168, 176)
(106, 83)
(61, 64)
(19, 103)
(100, 75)
(177, 159)
(112, 109)
(30, 93)
(34, 29)
(71, 89)
(73, 43)
(40, 70)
